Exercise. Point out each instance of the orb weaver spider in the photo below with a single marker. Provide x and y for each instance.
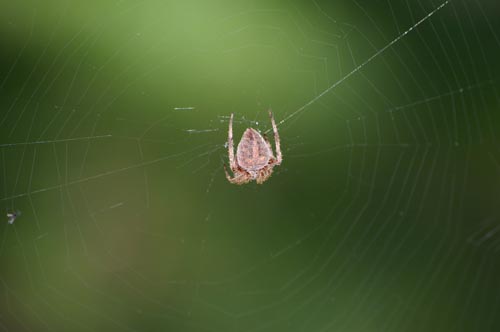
(254, 158)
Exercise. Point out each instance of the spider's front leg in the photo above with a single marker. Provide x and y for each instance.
(264, 174)
(230, 146)
(273, 160)
(279, 157)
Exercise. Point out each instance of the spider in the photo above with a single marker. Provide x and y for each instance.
(254, 158)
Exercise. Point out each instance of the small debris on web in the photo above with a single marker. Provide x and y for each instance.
(12, 216)
(184, 108)
(225, 118)
(200, 131)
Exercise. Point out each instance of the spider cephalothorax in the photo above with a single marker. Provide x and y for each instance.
(254, 158)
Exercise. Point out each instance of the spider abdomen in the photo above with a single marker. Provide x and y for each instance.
(253, 152)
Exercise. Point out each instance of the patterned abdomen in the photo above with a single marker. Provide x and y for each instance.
(253, 152)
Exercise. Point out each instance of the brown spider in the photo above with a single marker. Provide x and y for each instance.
(254, 157)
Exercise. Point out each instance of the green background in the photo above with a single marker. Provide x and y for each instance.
(384, 215)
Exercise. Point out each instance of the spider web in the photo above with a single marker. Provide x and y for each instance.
(383, 216)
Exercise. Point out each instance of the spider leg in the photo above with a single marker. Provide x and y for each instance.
(264, 174)
(239, 178)
(279, 157)
(273, 160)
(230, 146)
(228, 176)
